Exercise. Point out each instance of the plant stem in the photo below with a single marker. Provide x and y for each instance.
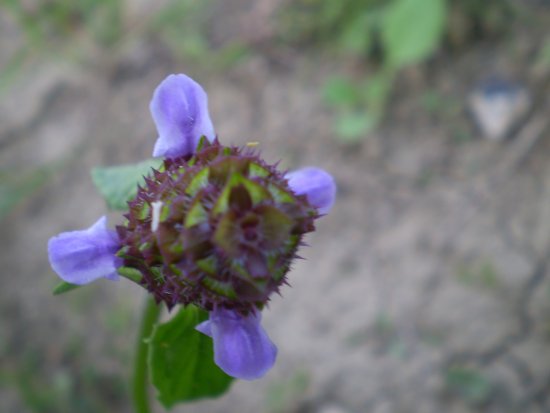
(140, 394)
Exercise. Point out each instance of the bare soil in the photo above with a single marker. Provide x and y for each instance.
(425, 290)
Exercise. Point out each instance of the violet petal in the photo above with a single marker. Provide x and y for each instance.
(317, 184)
(242, 348)
(80, 257)
(180, 111)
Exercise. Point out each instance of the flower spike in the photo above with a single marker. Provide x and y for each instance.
(214, 226)
(80, 257)
(242, 348)
(180, 110)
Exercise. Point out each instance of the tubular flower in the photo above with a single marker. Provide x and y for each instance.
(80, 257)
(215, 226)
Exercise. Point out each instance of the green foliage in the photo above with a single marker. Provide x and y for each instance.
(411, 30)
(182, 26)
(351, 127)
(480, 275)
(392, 34)
(355, 39)
(359, 105)
(341, 91)
(84, 29)
(337, 24)
(542, 61)
(76, 388)
(181, 360)
(118, 184)
(53, 20)
(468, 383)
(405, 31)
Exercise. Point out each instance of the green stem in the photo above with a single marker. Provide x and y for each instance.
(140, 393)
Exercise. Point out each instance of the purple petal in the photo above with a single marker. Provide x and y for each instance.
(317, 184)
(180, 111)
(242, 348)
(80, 257)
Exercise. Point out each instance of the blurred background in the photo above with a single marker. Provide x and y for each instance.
(427, 287)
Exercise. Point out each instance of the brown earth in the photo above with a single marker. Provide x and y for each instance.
(425, 290)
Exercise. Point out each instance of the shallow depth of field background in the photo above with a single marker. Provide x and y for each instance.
(427, 288)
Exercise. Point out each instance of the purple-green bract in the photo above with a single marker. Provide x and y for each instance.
(215, 226)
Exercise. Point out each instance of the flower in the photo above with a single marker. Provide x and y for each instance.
(80, 257)
(180, 110)
(215, 226)
(241, 345)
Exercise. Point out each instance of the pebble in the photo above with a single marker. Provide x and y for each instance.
(497, 105)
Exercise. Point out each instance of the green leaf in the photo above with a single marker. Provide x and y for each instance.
(377, 90)
(181, 360)
(353, 127)
(118, 184)
(469, 383)
(64, 287)
(411, 30)
(356, 37)
(339, 91)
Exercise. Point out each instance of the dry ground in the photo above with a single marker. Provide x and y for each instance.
(427, 288)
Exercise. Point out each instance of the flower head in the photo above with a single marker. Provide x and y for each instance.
(215, 226)
(226, 228)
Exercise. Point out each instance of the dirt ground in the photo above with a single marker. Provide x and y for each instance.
(426, 289)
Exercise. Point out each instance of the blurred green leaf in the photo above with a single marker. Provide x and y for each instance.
(356, 37)
(542, 60)
(64, 287)
(181, 360)
(469, 383)
(412, 30)
(118, 184)
(353, 127)
(377, 89)
(339, 91)
(479, 275)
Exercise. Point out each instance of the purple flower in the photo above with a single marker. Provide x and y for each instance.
(317, 184)
(180, 111)
(80, 257)
(241, 346)
(220, 224)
